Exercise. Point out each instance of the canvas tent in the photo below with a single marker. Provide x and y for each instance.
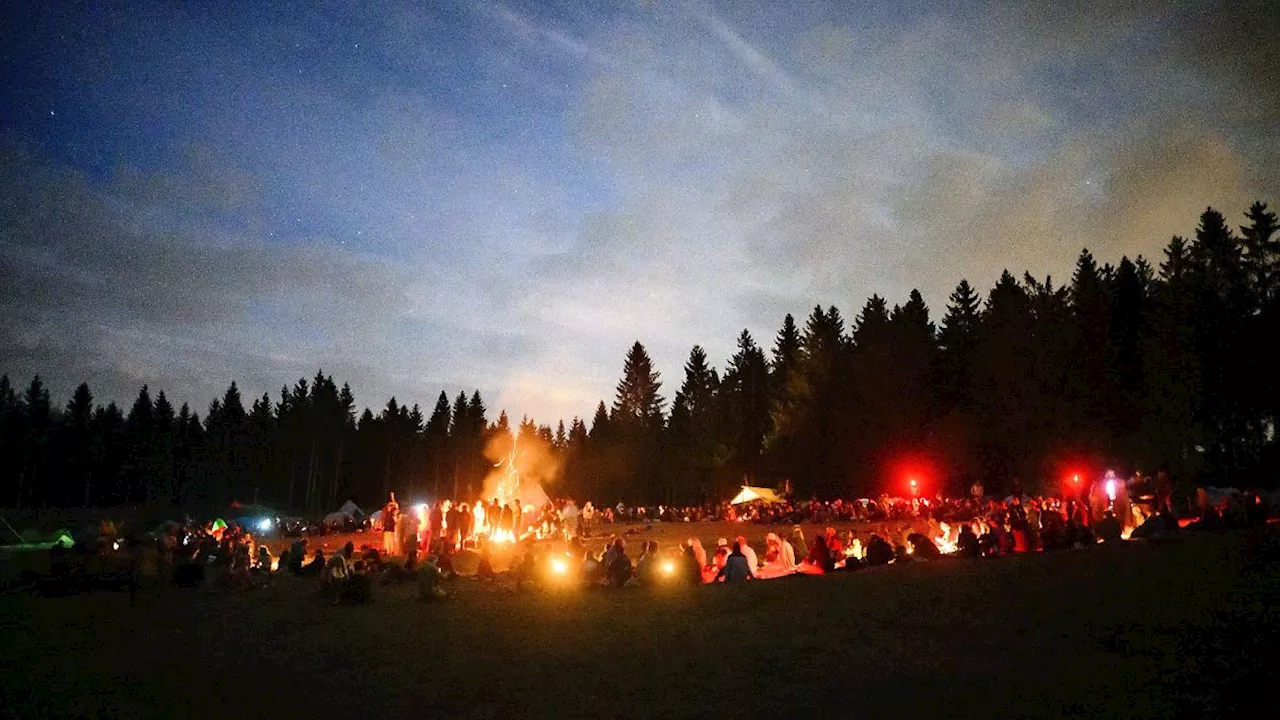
(349, 512)
(751, 494)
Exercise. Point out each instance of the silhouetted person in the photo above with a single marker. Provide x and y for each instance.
(967, 543)
(922, 547)
(1108, 528)
(879, 552)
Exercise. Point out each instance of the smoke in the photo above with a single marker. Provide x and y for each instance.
(521, 469)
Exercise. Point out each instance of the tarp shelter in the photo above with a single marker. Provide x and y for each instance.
(348, 511)
(751, 494)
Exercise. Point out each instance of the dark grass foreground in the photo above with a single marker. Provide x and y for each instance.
(1185, 628)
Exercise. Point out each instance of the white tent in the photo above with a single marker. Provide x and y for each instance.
(749, 494)
(348, 511)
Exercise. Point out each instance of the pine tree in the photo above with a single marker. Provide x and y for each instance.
(162, 482)
(141, 452)
(77, 448)
(637, 421)
(745, 400)
(638, 405)
(437, 439)
(693, 444)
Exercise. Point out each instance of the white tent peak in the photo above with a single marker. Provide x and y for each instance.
(750, 493)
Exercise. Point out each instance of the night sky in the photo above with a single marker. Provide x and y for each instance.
(446, 196)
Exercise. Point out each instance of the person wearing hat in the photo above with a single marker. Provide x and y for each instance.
(799, 547)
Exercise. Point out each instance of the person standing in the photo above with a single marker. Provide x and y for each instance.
(451, 530)
(517, 518)
(435, 524)
(390, 515)
(1163, 491)
(570, 517)
(977, 491)
(408, 529)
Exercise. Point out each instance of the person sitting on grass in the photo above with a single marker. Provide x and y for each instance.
(297, 556)
(429, 589)
(589, 572)
(357, 588)
(834, 546)
(525, 573)
(752, 561)
(315, 567)
(445, 562)
(372, 559)
(717, 563)
(485, 570)
(736, 567)
(967, 543)
(879, 551)
(618, 569)
(800, 548)
(689, 568)
(820, 556)
(336, 571)
(699, 552)
(922, 547)
(264, 560)
(648, 566)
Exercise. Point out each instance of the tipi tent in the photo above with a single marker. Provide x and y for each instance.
(752, 494)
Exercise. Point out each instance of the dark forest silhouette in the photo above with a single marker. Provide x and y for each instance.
(1129, 366)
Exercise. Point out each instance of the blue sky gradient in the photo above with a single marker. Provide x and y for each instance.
(419, 197)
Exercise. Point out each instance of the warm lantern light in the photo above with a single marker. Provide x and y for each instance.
(669, 567)
(559, 566)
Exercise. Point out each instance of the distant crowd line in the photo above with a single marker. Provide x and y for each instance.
(423, 544)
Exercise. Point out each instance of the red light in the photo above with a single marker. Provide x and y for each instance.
(1075, 479)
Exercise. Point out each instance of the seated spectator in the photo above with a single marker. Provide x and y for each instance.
(337, 570)
(799, 546)
(590, 572)
(429, 589)
(879, 552)
(900, 554)
(690, 569)
(748, 552)
(315, 567)
(297, 555)
(967, 543)
(922, 547)
(357, 588)
(736, 568)
(1108, 528)
(649, 564)
(819, 556)
(618, 569)
(699, 552)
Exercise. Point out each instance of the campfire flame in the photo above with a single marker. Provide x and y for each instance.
(946, 541)
(509, 483)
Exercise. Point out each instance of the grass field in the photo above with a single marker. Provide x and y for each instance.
(1184, 628)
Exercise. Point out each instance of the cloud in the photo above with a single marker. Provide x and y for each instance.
(506, 199)
(129, 280)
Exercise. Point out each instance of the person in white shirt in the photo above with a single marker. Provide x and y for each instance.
(750, 554)
(570, 517)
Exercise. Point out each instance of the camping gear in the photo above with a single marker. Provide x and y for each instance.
(348, 513)
(754, 494)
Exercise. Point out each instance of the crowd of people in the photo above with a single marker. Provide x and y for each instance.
(561, 543)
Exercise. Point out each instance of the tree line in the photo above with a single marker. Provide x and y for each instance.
(1131, 366)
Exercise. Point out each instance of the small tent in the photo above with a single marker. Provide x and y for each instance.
(752, 494)
(348, 512)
